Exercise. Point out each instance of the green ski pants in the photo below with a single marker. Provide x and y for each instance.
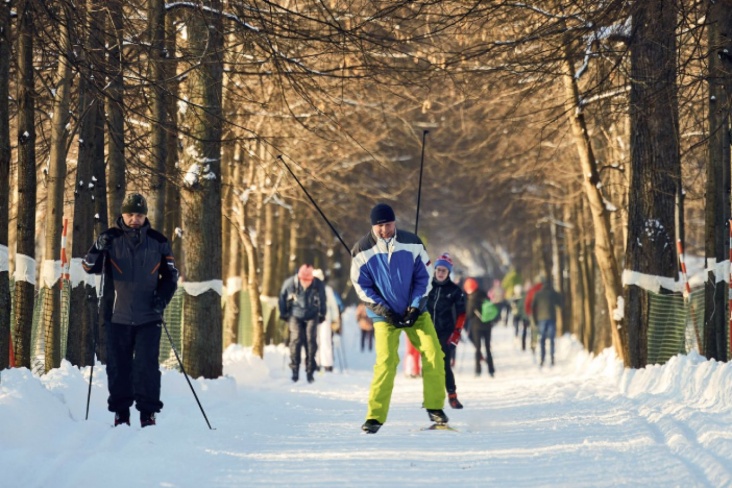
(423, 336)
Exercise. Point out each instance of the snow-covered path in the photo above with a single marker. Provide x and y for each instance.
(584, 422)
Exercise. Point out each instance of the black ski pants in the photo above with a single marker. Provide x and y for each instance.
(303, 333)
(449, 375)
(133, 369)
(367, 338)
(482, 334)
(518, 323)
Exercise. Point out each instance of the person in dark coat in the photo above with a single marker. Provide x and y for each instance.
(480, 332)
(302, 305)
(140, 279)
(544, 311)
(446, 305)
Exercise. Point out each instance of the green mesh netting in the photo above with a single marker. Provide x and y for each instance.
(174, 323)
(676, 325)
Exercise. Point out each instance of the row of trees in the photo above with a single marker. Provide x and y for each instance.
(566, 132)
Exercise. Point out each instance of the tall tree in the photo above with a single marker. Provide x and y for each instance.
(157, 58)
(26, 221)
(604, 250)
(115, 111)
(84, 303)
(655, 171)
(201, 196)
(718, 177)
(50, 320)
(5, 45)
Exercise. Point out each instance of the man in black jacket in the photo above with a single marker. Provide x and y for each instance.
(302, 306)
(138, 262)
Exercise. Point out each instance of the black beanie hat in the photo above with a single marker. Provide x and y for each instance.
(134, 203)
(381, 214)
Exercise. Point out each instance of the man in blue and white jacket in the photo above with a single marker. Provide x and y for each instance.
(391, 273)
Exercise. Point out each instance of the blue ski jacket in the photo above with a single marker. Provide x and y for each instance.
(391, 275)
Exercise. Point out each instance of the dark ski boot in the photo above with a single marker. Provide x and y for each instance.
(437, 416)
(122, 417)
(454, 402)
(371, 426)
(147, 419)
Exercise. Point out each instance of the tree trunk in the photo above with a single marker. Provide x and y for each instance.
(83, 306)
(295, 252)
(252, 286)
(117, 185)
(26, 221)
(172, 221)
(574, 307)
(717, 211)
(655, 172)
(609, 269)
(5, 44)
(233, 264)
(159, 120)
(201, 196)
(269, 286)
(587, 265)
(50, 317)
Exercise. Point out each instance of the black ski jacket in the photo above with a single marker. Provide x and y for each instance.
(445, 303)
(139, 265)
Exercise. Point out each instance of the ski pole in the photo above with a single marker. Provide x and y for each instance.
(95, 324)
(348, 250)
(172, 345)
(419, 190)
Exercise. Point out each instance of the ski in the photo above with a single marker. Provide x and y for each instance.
(439, 427)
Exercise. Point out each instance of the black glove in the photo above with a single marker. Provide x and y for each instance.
(321, 319)
(285, 317)
(410, 317)
(392, 318)
(158, 304)
(104, 242)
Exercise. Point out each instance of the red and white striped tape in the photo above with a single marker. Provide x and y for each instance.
(682, 264)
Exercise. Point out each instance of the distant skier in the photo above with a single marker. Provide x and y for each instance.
(329, 326)
(446, 305)
(521, 321)
(391, 273)
(302, 305)
(366, 324)
(544, 310)
(480, 324)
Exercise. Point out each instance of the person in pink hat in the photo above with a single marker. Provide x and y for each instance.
(302, 304)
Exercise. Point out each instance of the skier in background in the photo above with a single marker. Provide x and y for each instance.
(367, 327)
(326, 328)
(521, 321)
(480, 330)
(498, 296)
(544, 310)
(302, 305)
(446, 305)
(412, 361)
